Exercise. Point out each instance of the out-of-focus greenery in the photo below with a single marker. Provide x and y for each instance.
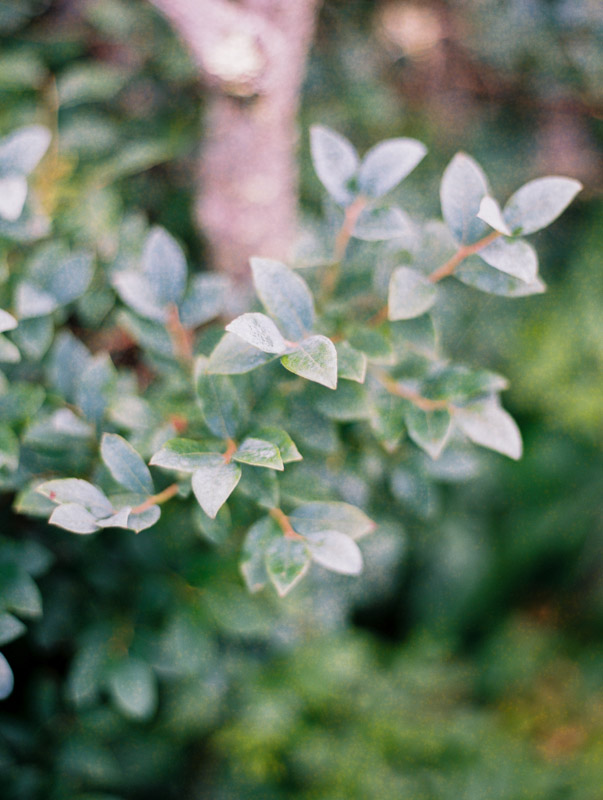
(467, 662)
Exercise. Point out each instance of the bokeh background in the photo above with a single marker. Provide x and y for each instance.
(468, 662)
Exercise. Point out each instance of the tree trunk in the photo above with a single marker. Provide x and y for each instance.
(252, 56)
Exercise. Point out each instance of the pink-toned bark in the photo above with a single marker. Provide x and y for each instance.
(252, 55)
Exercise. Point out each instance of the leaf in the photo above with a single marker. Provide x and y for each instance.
(89, 81)
(10, 629)
(7, 680)
(213, 483)
(457, 383)
(164, 267)
(33, 302)
(537, 203)
(7, 321)
(350, 402)
(260, 486)
(321, 516)
(94, 386)
(130, 520)
(125, 464)
(512, 256)
(335, 162)
(9, 449)
(184, 455)
(22, 150)
(380, 224)
(133, 688)
(204, 300)
(388, 163)
(474, 272)
(68, 359)
(34, 336)
(65, 279)
(351, 363)
(9, 353)
(282, 440)
(287, 561)
(285, 296)
(221, 403)
(19, 592)
(75, 490)
(253, 565)
(335, 551)
(315, 359)
(13, 192)
(259, 453)
(463, 187)
(429, 429)
(410, 294)
(233, 356)
(490, 212)
(259, 331)
(136, 292)
(489, 425)
(74, 517)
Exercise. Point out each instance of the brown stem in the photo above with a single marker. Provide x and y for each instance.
(182, 339)
(283, 520)
(231, 449)
(157, 499)
(344, 235)
(398, 389)
(461, 254)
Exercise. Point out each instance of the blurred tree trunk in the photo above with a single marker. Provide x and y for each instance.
(252, 56)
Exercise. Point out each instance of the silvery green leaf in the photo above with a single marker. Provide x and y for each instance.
(537, 203)
(287, 561)
(7, 321)
(463, 187)
(34, 336)
(486, 423)
(67, 279)
(7, 680)
(10, 629)
(490, 212)
(133, 688)
(410, 294)
(285, 296)
(233, 356)
(76, 490)
(430, 430)
(33, 302)
(515, 257)
(282, 440)
(9, 353)
(253, 565)
(74, 518)
(94, 386)
(388, 163)
(474, 272)
(125, 464)
(380, 224)
(13, 191)
(19, 593)
(320, 516)
(259, 453)
(259, 331)
(136, 292)
(68, 359)
(315, 359)
(351, 363)
(130, 520)
(222, 405)
(335, 551)
(184, 455)
(213, 483)
(335, 162)
(204, 300)
(22, 150)
(164, 267)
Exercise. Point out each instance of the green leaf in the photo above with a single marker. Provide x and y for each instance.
(34, 336)
(259, 453)
(94, 386)
(463, 187)
(486, 423)
(537, 203)
(9, 449)
(90, 81)
(125, 464)
(136, 292)
(473, 272)
(20, 401)
(31, 301)
(259, 331)
(335, 551)
(374, 344)
(221, 403)
(335, 162)
(7, 321)
(282, 440)
(9, 353)
(430, 430)
(22, 150)
(164, 267)
(417, 336)
(130, 520)
(513, 256)
(260, 485)
(285, 296)
(321, 516)
(388, 163)
(351, 363)
(350, 402)
(133, 688)
(10, 628)
(233, 356)
(218, 530)
(213, 483)
(184, 455)
(287, 561)
(315, 359)
(410, 294)
(204, 300)
(68, 359)
(381, 224)
(75, 518)
(490, 212)
(75, 490)
(19, 592)
(7, 680)
(253, 563)
(458, 383)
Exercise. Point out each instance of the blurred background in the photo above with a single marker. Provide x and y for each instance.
(468, 662)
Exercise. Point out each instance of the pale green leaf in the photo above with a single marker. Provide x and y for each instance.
(380, 224)
(222, 405)
(335, 551)
(335, 162)
(321, 516)
(388, 163)
(515, 257)
(7, 321)
(287, 561)
(490, 212)
(164, 267)
(125, 464)
(184, 455)
(486, 423)
(474, 272)
(410, 294)
(74, 518)
(259, 331)
(430, 430)
(133, 688)
(351, 363)
(213, 483)
(9, 352)
(13, 192)
(259, 453)
(282, 440)
(462, 189)
(233, 356)
(253, 564)
(10, 628)
(315, 359)
(537, 203)
(76, 490)
(7, 680)
(285, 296)
(22, 150)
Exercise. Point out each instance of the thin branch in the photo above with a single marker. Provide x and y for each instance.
(157, 499)
(283, 520)
(461, 254)
(400, 390)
